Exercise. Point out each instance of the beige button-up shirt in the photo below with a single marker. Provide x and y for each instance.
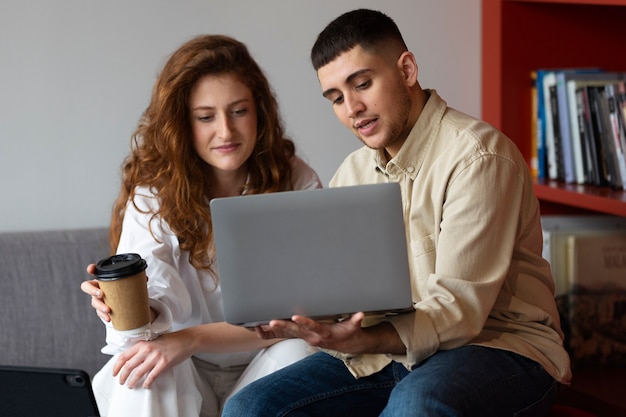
(474, 235)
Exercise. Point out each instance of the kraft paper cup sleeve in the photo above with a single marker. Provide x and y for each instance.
(123, 281)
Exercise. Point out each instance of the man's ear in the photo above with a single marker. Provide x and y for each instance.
(408, 67)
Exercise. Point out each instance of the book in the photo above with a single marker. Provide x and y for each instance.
(576, 135)
(571, 154)
(540, 117)
(593, 134)
(580, 151)
(569, 173)
(534, 127)
(621, 100)
(557, 228)
(616, 131)
(597, 301)
(551, 142)
(604, 133)
(558, 172)
(587, 146)
(620, 95)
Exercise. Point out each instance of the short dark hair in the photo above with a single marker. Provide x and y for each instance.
(363, 27)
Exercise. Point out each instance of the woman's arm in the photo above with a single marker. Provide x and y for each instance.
(150, 358)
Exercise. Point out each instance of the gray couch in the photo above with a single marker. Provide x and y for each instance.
(45, 319)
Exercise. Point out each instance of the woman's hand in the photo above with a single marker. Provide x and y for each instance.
(150, 358)
(92, 288)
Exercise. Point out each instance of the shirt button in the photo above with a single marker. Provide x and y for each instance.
(410, 170)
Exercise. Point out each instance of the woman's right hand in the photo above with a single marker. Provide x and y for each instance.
(92, 288)
(148, 359)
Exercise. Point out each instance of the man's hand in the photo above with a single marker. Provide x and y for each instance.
(347, 336)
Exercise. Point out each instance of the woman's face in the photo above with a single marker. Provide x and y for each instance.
(223, 122)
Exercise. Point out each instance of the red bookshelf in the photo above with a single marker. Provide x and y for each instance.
(519, 36)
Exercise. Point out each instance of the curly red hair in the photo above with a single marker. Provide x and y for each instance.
(163, 158)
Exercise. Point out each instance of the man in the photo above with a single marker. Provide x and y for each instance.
(484, 339)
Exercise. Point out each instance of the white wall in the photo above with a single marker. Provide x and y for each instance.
(75, 75)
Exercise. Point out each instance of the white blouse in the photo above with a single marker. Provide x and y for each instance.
(183, 295)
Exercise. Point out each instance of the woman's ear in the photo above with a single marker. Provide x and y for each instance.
(408, 67)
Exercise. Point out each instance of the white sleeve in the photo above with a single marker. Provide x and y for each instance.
(303, 176)
(154, 241)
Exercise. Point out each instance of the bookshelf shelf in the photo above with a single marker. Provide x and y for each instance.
(519, 36)
(580, 197)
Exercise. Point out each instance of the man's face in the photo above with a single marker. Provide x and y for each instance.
(369, 96)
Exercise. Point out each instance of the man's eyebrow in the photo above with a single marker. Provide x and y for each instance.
(328, 92)
(348, 80)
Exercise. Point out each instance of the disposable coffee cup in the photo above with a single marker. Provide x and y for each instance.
(122, 278)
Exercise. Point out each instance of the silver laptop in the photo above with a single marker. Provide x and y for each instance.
(323, 253)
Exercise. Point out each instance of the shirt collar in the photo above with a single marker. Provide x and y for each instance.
(411, 155)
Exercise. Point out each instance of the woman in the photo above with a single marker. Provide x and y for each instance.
(212, 129)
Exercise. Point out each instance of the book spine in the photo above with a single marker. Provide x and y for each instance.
(596, 133)
(567, 152)
(534, 128)
(615, 133)
(540, 126)
(578, 150)
(556, 128)
(620, 102)
(548, 129)
(606, 140)
(587, 137)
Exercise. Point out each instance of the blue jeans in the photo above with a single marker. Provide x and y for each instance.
(467, 381)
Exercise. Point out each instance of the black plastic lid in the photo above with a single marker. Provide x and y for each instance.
(120, 266)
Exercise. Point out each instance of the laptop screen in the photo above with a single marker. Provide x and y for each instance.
(320, 253)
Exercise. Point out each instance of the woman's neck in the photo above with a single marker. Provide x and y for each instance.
(228, 184)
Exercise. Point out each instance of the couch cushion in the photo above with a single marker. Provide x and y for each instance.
(46, 320)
